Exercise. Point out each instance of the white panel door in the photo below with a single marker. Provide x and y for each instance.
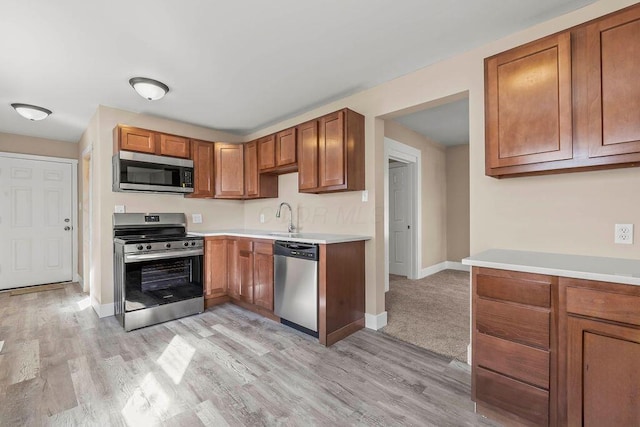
(398, 219)
(35, 222)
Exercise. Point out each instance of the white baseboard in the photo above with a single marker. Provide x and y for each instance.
(375, 321)
(445, 265)
(102, 310)
(456, 265)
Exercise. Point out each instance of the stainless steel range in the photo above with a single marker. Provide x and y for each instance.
(157, 269)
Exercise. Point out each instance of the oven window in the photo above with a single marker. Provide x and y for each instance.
(132, 172)
(158, 282)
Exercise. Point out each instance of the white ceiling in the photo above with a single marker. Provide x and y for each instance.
(447, 124)
(231, 65)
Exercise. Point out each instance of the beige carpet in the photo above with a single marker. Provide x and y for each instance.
(432, 313)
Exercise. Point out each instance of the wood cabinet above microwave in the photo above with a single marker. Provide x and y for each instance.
(567, 102)
(129, 138)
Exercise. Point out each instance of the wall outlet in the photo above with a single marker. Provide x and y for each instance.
(196, 218)
(261, 218)
(624, 234)
(365, 195)
(119, 209)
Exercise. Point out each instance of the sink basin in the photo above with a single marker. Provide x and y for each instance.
(282, 234)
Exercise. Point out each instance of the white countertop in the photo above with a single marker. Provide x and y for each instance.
(318, 238)
(616, 270)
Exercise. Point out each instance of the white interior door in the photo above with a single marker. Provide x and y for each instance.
(398, 219)
(35, 222)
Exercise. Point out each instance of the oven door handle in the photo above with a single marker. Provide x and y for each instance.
(182, 253)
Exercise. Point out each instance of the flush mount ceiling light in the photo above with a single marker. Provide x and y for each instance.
(31, 112)
(148, 88)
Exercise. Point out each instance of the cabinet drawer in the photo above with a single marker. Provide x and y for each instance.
(523, 400)
(245, 245)
(604, 305)
(519, 361)
(516, 289)
(517, 323)
(263, 248)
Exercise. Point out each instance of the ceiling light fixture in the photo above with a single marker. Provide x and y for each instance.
(31, 112)
(148, 88)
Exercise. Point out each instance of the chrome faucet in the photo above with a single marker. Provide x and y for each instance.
(291, 227)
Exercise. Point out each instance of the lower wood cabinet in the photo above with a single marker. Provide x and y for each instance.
(513, 338)
(602, 348)
(240, 270)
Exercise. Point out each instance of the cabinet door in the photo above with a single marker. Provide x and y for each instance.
(308, 155)
(331, 151)
(134, 139)
(251, 169)
(603, 373)
(528, 104)
(233, 256)
(215, 266)
(267, 152)
(613, 89)
(202, 156)
(263, 275)
(286, 147)
(245, 270)
(229, 161)
(175, 146)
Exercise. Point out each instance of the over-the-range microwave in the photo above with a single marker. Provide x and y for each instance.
(137, 172)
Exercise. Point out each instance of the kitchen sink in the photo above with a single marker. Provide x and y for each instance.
(283, 234)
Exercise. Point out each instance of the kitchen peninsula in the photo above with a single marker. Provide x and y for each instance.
(555, 338)
(239, 267)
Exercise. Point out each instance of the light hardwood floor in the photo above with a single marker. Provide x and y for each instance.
(61, 365)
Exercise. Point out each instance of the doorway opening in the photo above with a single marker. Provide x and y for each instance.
(427, 231)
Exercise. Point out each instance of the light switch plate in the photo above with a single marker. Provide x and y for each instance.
(261, 218)
(196, 218)
(119, 209)
(365, 195)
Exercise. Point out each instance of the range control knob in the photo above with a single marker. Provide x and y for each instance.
(168, 245)
(186, 243)
(148, 247)
(139, 247)
(193, 243)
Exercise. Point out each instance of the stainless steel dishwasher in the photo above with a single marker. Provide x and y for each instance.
(296, 285)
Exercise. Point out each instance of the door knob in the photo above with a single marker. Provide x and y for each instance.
(67, 228)
(67, 220)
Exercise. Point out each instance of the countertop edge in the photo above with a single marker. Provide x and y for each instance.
(602, 277)
(331, 239)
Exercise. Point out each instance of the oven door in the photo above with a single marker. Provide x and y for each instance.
(163, 277)
(149, 173)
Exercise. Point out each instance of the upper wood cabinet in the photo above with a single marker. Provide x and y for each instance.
(613, 67)
(528, 104)
(567, 102)
(333, 156)
(277, 152)
(229, 170)
(202, 156)
(174, 146)
(134, 139)
(257, 185)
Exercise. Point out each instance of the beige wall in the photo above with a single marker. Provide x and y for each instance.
(11, 143)
(571, 213)
(216, 213)
(457, 202)
(434, 191)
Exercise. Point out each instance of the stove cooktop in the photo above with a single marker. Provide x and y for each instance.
(151, 238)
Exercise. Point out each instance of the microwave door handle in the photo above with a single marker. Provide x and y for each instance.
(182, 253)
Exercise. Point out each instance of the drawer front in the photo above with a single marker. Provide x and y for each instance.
(523, 400)
(521, 324)
(522, 362)
(514, 289)
(263, 248)
(604, 305)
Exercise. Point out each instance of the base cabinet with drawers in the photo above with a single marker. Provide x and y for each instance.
(557, 351)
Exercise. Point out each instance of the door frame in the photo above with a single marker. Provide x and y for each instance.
(74, 200)
(87, 259)
(394, 150)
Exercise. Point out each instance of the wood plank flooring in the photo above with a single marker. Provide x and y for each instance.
(61, 365)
